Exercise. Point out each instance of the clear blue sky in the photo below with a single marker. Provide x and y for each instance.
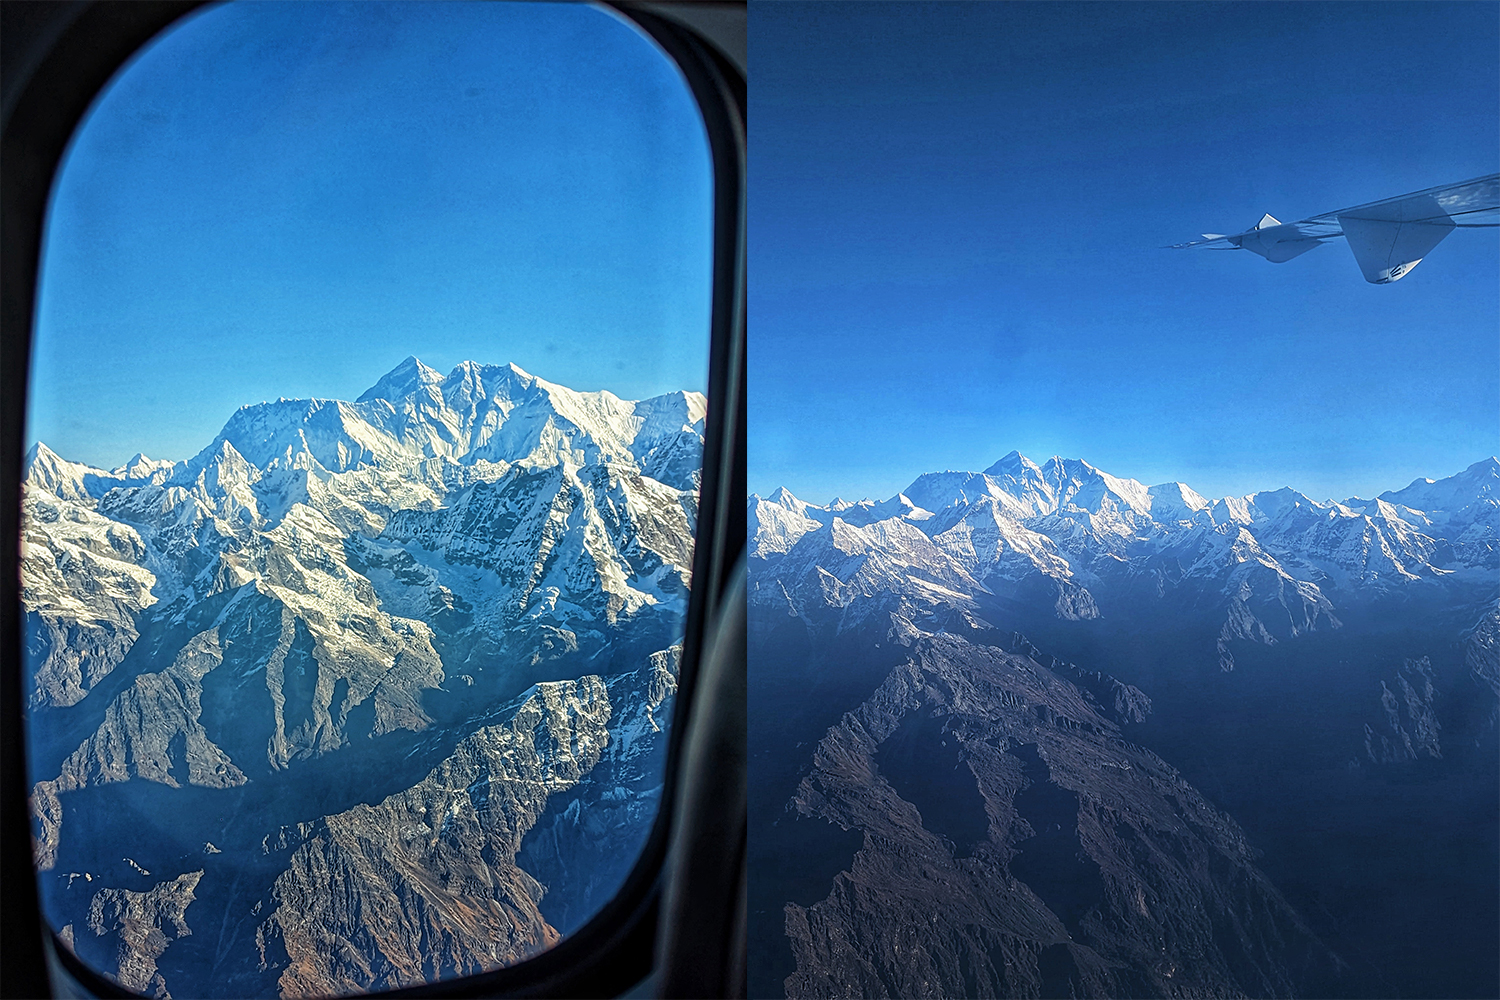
(956, 212)
(287, 199)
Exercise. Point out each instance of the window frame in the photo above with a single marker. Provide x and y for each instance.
(57, 58)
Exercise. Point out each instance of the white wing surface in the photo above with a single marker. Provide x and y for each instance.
(1388, 237)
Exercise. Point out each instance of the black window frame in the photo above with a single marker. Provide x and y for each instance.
(676, 927)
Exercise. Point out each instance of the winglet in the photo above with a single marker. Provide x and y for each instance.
(1267, 221)
(1387, 250)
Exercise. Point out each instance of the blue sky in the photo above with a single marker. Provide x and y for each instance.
(289, 199)
(956, 212)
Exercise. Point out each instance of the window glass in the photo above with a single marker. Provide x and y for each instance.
(365, 436)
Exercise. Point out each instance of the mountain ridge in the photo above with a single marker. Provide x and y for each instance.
(324, 579)
(1277, 563)
(946, 810)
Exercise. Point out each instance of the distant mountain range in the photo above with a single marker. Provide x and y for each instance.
(1274, 565)
(1043, 731)
(363, 694)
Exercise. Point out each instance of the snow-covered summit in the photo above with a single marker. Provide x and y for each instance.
(43, 469)
(1060, 484)
(523, 502)
(407, 378)
(475, 414)
(142, 468)
(1176, 501)
(1479, 482)
(1069, 533)
(498, 562)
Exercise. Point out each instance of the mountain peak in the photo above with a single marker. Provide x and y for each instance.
(784, 497)
(1016, 464)
(44, 469)
(40, 458)
(1477, 482)
(401, 381)
(39, 451)
(141, 467)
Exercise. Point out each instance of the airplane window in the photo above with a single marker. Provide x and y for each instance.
(366, 430)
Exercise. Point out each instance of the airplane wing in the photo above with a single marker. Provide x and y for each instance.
(1469, 204)
(1209, 242)
(1388, 237)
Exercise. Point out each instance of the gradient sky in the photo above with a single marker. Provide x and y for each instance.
(957, 210)
(287, 199)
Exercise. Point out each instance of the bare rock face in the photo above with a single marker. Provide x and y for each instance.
(1482, 658)
(257, 653)
(152, 730)
(1015, 845)
(424, 885)
(1411, 728)
(584, 845)
(1482, 652)
(1109, 696)
(138, 926)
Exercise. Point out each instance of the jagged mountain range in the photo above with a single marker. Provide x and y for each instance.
(1270, 566)
(1042, 731)
(379, 583)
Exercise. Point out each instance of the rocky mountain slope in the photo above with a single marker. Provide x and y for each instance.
(1258, 757)
(1029, 850)
(268, 664)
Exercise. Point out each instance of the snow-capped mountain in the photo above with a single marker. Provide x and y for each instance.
(594, 494)
(325, 576)
(1273, 564)
(940, 808)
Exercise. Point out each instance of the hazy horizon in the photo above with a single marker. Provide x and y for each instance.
(957, 215)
